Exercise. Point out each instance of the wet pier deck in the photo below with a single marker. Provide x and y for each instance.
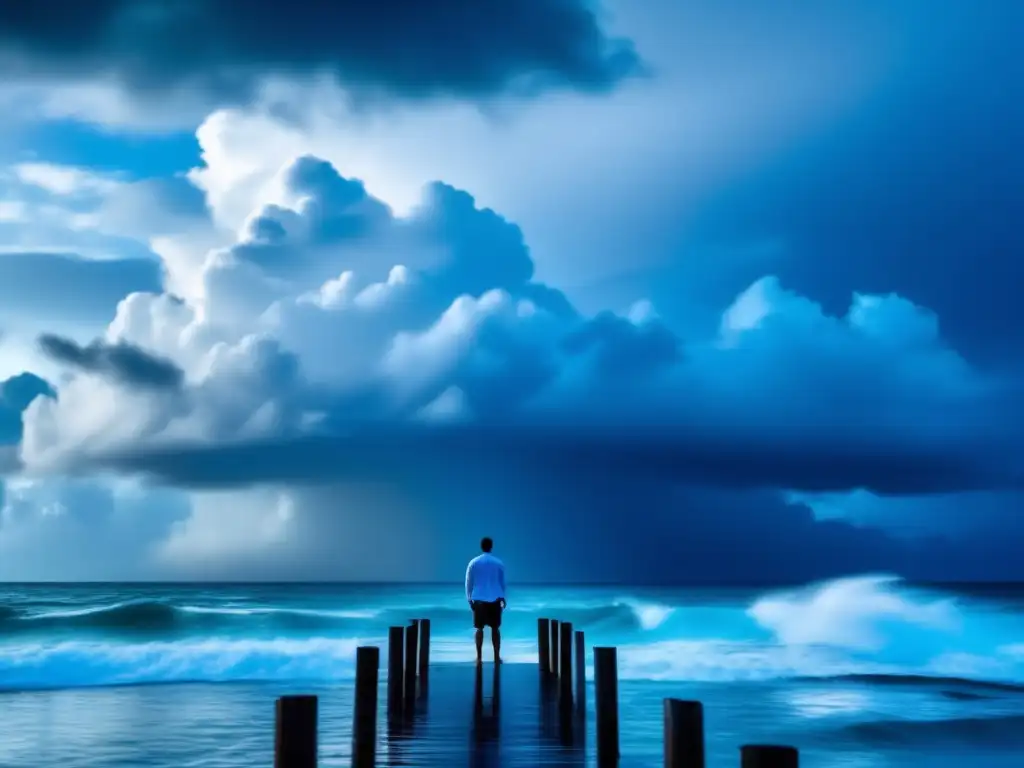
(509, 715)
(505, 715)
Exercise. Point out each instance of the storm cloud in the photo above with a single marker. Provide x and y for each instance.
(402, 49)
(123, 363)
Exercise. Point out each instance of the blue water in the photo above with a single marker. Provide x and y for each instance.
(863, 671)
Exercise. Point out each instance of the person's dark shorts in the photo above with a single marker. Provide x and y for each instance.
(486, 614)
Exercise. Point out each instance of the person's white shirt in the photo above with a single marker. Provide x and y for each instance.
(485, 579)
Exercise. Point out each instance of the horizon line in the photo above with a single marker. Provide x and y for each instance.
(524, 583)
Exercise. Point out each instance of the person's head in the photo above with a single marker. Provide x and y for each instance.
(486, 544)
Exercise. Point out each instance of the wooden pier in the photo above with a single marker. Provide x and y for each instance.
(499, 716)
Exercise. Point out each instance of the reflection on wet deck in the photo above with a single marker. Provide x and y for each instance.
(485, 716)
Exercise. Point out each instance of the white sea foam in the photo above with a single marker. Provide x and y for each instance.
(650, 615)
(84, 663)
(851, 613)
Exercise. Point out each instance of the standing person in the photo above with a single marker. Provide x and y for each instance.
(485, 590)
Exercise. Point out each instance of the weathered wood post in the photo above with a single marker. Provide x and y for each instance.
(412, 652)
(396, 649)
(295, 732)
(543, 645)
(606, 699)
(364, 719)
(554, 646)
(768, 756)
(424, 652)
(684, 734)
(565, 666)
(581, 673)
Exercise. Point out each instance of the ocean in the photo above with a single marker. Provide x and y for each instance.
(866, 671)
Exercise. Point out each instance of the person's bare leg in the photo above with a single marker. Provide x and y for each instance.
(480, 646)
(496, 642)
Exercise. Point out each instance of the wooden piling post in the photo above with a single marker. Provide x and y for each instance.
(543, 645)
(684, 734)
(554, 647)
(295, 732)
(768, 756)
(581, 672)
(364, 718)
(412, 651)
(424, 651)
(565, 665)
(606, 699)
(396, 649)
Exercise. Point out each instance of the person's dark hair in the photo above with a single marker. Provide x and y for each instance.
(486, 544)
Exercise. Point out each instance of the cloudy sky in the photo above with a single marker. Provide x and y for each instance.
(648, 291)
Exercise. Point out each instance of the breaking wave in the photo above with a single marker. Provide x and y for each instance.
(157, 617)
(870, 630)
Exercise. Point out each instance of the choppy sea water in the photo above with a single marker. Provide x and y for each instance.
(863, 671)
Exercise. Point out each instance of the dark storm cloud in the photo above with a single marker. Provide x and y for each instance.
(463, 48)
(122, 362)
(663, 458)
